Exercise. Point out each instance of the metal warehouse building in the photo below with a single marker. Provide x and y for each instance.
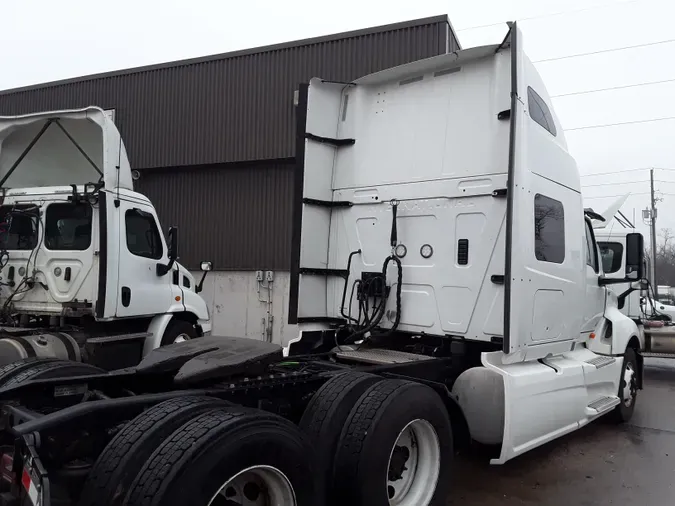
(213, 139)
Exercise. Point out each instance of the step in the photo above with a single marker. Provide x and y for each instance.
(658, 355)
(601, 361)
(381, 356)
(603, 404)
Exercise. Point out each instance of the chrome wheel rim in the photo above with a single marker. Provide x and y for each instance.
(629, 385)
(256, 486)
(414, 465)
(181, 338)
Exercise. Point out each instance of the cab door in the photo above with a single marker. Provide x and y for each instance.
(594, 306)
(141, 291)
(545, 262)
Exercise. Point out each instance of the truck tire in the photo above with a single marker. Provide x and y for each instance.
(627, 388)
(225, 455)
(178, 331)
(44, 368)
(13, 368)
(122, 459)
(327, 413)
(396, 448)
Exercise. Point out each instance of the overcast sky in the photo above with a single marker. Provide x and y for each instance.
(45, 40)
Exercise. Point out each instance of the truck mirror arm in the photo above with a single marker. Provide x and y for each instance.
(163, 269)
(205, 267)
(200, 285)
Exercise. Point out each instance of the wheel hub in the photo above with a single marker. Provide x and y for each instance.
(256, 486)
(181, 338)
(397, 467)
(629, 385)
(414, 465)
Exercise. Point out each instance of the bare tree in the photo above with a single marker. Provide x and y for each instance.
(665, 258)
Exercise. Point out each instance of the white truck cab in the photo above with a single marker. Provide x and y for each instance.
(80, 251)
(653, 318)
(443, 192)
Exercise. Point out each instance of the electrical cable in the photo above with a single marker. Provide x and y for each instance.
(344, 290)
(608, 125)
(35, 251)
(612, 88)
(549, 15)
(603, 51)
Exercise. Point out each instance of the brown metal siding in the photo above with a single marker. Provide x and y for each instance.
(238, 216)
(233, 108)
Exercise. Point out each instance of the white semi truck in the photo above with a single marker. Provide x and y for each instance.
(448, 287)
(653, 317)
(85, 271)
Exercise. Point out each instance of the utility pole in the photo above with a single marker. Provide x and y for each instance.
(653, 232)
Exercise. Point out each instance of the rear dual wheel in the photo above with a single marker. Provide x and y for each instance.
(203, 451)
(393, 447)
(229, 457)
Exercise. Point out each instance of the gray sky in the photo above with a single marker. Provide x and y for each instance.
(43, 40)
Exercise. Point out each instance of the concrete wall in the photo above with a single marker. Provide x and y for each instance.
(236, 308)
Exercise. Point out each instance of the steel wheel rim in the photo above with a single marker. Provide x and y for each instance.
(414, 483)
(181, 338)
(256, 486)
(629, 387)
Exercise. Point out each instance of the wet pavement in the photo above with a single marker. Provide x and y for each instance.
(600, 464)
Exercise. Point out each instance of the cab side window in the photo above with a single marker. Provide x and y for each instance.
(612, 256)
(591, 250)
(143, 237)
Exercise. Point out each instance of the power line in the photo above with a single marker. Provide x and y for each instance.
(602, 51)
(549, 15)
(630, 194)
(614, 172)
(614, 183)
(622, 87)
(606, 125)
(615, 196)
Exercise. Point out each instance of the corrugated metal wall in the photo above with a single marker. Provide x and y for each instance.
(205, 117)
(237, 216)
(236, 107)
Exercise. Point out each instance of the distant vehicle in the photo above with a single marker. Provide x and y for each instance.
(87, 275)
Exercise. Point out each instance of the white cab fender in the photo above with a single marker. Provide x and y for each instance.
(541, 402)
(156, 328)
(623, 330)
(194, 304)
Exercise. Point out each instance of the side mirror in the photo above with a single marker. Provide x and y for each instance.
(205, 267)
(173, 243)
(162, 269)
(635, 253)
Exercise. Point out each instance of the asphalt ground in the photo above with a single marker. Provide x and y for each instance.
(600, 464)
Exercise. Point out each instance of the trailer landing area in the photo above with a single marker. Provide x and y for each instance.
(597, 465)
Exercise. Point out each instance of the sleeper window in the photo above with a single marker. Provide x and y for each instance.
(549, 229)
(539, 111)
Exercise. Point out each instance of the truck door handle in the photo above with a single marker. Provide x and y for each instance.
(66, 275)
(126, 296)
